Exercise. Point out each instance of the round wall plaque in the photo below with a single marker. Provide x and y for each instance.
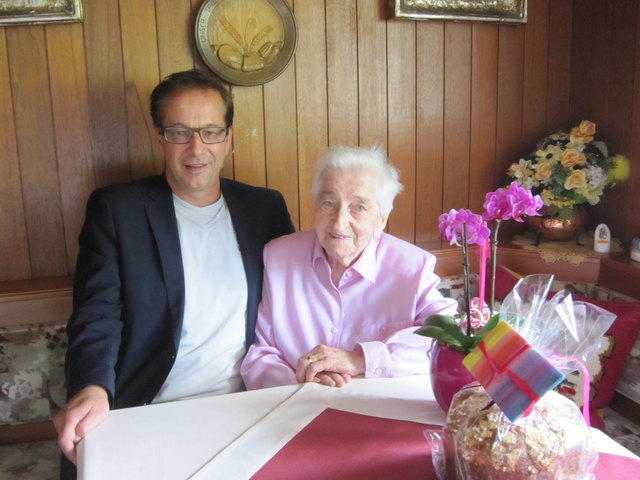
(246, 42)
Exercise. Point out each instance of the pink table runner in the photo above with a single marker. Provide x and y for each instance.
(340, 445)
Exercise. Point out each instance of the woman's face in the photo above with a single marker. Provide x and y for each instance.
(348, 213)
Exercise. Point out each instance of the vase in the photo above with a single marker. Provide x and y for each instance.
(552, 227)
(448, 374)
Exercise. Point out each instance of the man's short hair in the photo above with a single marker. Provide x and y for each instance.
(189, 80)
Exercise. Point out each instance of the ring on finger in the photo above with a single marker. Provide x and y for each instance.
(309, 360)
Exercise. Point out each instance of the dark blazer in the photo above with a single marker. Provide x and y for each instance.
(129, 284)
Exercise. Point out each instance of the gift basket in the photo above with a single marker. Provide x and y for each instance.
(511, 424)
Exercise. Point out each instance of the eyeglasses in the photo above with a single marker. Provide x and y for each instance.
(183, 135)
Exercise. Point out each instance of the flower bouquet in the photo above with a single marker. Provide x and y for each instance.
(569, 169)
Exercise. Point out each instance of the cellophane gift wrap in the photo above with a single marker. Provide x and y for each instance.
(552, 439)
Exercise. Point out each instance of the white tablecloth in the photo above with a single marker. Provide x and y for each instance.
(233, 436)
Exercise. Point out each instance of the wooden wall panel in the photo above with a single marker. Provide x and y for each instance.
(536, 53)
(281, 149)
(141, 73)
(68, 78)
(559, 66)
(453, 103)
(36, 147)
(105, 92)
(248, 135)
(372, 74)
(311, 99)
(633, 183)
(175, 21)
(401, 78)
(342, 72)
(457, 110)
(14, 252)
(509, 146)
(430, 127)
(484, 93)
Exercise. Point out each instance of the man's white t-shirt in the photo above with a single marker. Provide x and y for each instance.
(212, 341)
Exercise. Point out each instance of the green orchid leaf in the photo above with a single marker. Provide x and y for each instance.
(439, 334)
(446, 323)
(493, 321)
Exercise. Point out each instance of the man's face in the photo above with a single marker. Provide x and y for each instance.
(347, 213)
(193, 169)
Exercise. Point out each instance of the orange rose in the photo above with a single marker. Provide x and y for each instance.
(571, 157)
(585, 131)
(544, 171)
(577, 179)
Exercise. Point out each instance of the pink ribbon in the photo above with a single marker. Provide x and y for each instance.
(586, 387)
(497, 369)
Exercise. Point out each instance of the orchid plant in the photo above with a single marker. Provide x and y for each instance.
(463, 228)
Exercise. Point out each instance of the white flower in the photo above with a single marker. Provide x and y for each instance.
(596, 176)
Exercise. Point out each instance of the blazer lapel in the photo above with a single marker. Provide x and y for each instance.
(162, 219)
(250, 249)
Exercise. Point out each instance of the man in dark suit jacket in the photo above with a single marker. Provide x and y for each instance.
(129, 294)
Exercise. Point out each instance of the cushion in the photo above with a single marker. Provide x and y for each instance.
(506, 279)
(607, 364)
(31, 372)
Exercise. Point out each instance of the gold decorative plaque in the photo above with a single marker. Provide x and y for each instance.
(246, 42)
(503, 11)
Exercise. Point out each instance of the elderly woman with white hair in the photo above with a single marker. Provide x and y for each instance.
(344, 299)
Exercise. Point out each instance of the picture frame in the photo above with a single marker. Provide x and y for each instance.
(501, 11)
(246, 42)
(33, 12)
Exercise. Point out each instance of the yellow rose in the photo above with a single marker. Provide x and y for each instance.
(572, 157)
(544, 171)
(583, 132)
(577, 179)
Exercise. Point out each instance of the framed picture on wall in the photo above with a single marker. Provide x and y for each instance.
(502, 11)
(13, 12)
(246, 42)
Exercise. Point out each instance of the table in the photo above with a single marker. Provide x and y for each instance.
(233, 436)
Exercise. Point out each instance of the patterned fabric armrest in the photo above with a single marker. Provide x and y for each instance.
(31, 372)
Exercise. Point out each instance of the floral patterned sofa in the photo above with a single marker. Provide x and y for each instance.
(31, 372)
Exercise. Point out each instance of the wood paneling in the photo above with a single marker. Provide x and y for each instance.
(311, 99)
(457, 111)
(484, 93)
(68, 82)
(36, 149)
(453, 103)
(14, 252)
(401, 78)
(430, 128)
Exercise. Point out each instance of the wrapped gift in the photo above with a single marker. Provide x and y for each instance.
(539, 339)
(514, 373)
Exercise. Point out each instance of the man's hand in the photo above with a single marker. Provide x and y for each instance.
(85, 411)
(330, 366)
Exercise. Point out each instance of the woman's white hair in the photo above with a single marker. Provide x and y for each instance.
(345, 158)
